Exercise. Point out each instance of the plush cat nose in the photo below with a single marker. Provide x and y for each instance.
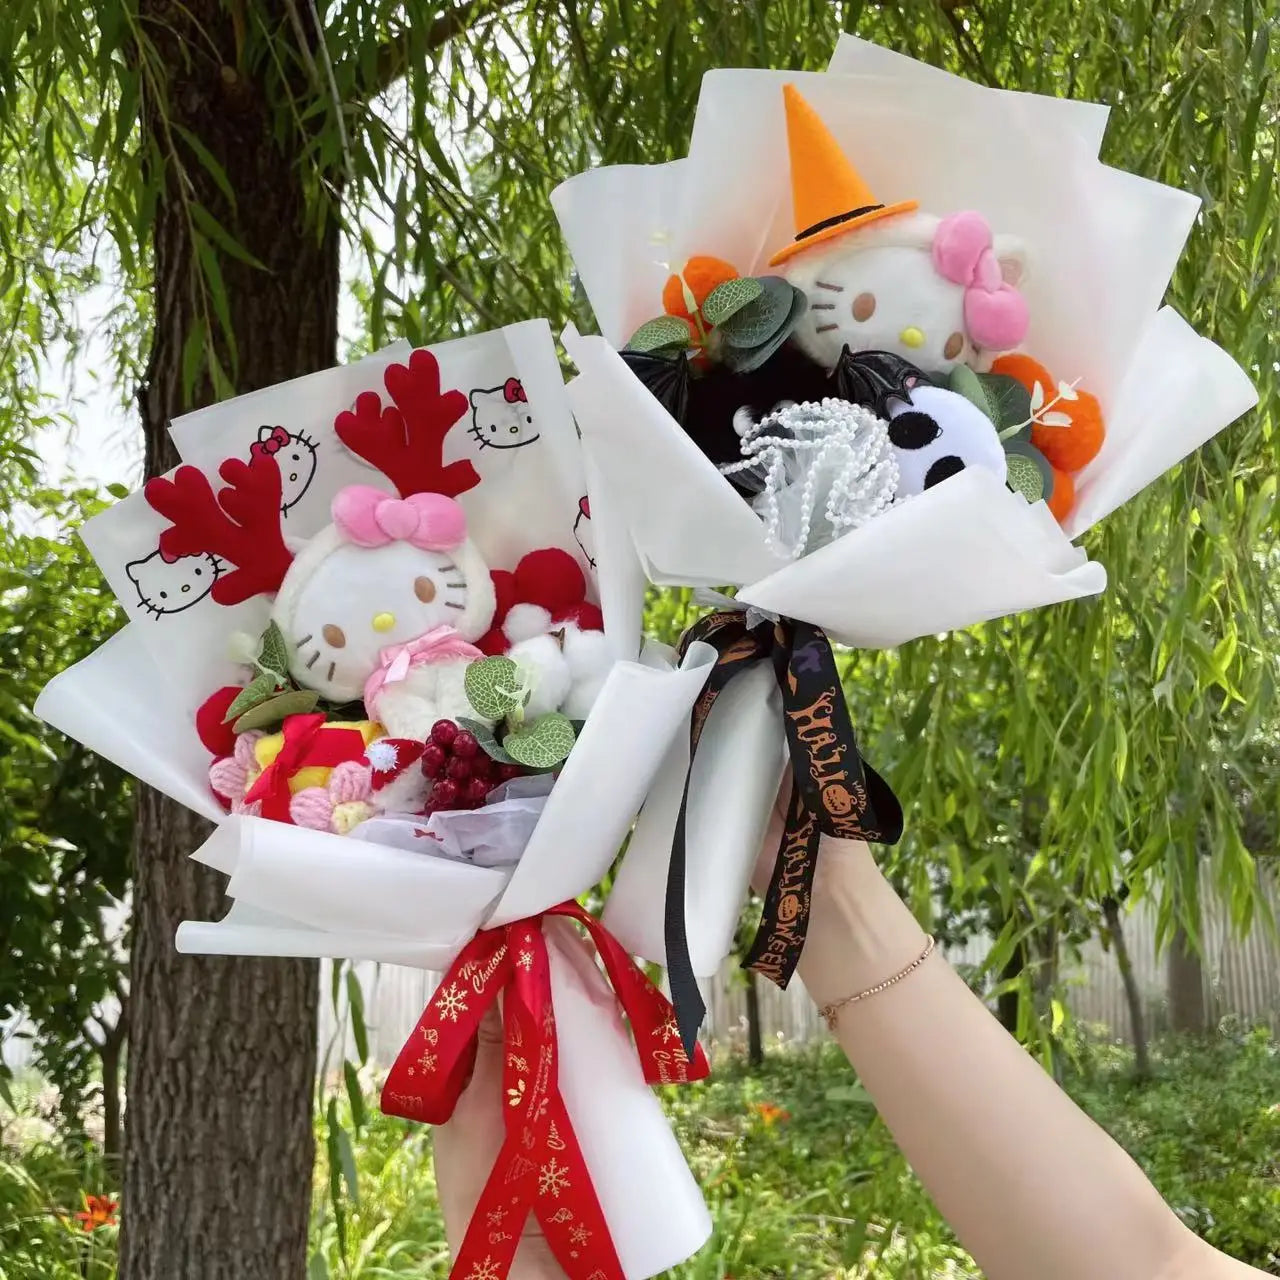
(384, 621)
(912, 337)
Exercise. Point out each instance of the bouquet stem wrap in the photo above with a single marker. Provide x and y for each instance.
(541, 1167)
(835, 793)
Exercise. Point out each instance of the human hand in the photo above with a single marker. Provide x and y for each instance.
(465, 1151)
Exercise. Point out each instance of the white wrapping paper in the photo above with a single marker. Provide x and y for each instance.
(1102, 245)
(299, 892)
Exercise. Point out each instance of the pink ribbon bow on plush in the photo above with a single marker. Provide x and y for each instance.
(370, 518)
(995, 313)
(270, 441)
(397, 660)
(513, 392)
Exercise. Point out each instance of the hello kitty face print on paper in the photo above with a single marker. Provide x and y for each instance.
(171, 585)
(501, 417)
(295, 453)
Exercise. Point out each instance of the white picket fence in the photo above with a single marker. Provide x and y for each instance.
(1242, 979)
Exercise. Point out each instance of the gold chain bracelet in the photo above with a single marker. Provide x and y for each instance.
(829, 1011)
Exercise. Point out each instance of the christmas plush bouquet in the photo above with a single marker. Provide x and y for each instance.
(372, 637)
(876, 370)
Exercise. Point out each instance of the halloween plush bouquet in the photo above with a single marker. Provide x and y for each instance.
(366, 640)
(876, 370)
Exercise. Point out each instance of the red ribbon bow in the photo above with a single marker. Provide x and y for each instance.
(270, 441)
(308, 743)
(540, 1167)
(513, 392)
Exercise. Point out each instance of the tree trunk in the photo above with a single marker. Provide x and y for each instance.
(1187, 1011)
(219, 1150)
(1133, 997)
(755, 1040)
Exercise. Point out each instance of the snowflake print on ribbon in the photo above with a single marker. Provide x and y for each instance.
(553, 1178)
(669, 1030)
(451, 1002)
(579, 1235)
(486, 1270)
(525, 960)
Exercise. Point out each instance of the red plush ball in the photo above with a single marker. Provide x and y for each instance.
(586, 616)
(552, 578)
(219, 738)
(505, 593)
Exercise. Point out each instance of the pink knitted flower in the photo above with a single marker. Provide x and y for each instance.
(233, 775)
(340, 804)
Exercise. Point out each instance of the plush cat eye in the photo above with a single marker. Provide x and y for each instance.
(864, 306)
(424, 589)
(334, 637)
(955, 344)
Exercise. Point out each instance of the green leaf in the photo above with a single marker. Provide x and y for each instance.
(1029, 471)
(759, 322)
(211, 166)
(293, 702)
(484, 735)
(317, 1267)
(118, 490)
(542, 744)
(355, 1005)
(355, 1095)
(744, 360)
(274, 653)
(257, 691)
(221, 236)
(663, 333)
(1004, 400)
(493, 687)
(854, 1093)
(728, 298)
(193, 350)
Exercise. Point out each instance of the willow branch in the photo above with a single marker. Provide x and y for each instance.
(392, 60)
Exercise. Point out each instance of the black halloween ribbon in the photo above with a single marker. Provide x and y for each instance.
(835, 793)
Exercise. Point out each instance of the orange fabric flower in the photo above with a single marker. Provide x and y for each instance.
(700, 275)
(1063, 497)
(98, 1211)
(770, 1112)
(1070, 445)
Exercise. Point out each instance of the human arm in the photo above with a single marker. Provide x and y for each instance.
(1031, 1185)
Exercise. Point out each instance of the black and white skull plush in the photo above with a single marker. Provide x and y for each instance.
(938, 434)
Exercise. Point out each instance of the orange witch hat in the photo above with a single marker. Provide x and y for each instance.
(828, 195)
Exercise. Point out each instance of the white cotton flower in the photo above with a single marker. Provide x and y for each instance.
(542, 661)
(381, 755)
(524, 621)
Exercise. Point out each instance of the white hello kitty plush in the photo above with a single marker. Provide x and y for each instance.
(938, 292)
(384, 605)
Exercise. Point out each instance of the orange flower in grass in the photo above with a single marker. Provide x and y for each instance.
(1066, 424)
(98, 1211)
(770, 1112)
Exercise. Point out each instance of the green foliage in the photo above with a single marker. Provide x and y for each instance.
(801, 1177)
(67, 816)
(43, 1184)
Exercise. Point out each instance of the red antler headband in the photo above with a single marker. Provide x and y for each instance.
(240, 525)
(406, 442)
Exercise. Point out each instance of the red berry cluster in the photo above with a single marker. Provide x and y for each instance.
(463, 775)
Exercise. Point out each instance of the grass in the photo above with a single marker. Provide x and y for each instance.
(802, 1179)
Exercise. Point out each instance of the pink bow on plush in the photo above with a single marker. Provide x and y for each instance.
(513, 392)
(995, 313)
(370, 518)
(396, 660)
(270, 441)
